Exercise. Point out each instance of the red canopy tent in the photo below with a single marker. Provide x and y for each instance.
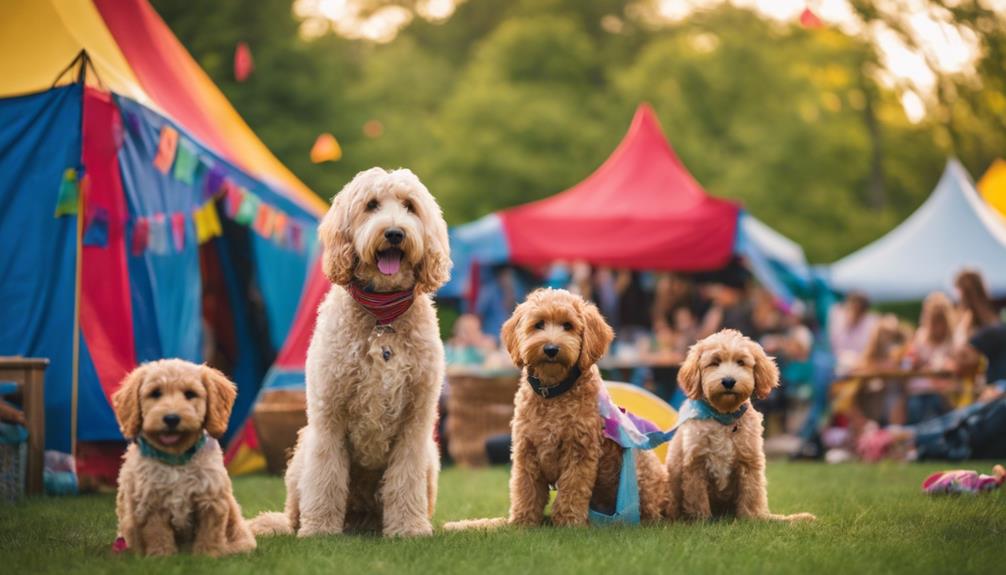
(641, 209)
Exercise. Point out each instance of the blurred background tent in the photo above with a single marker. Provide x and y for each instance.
(142, 217)
(640, 210)
(953, 229)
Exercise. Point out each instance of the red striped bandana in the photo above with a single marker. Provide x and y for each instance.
(385, 307)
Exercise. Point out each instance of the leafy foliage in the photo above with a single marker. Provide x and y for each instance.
(510, 101)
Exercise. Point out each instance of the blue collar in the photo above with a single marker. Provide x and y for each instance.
(148, 450)
(700, 409)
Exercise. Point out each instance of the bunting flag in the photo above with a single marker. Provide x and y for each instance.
(243, 63)
(158, 242)
(263, 221)
(279, 221)
(808, 19)
(326, 149)
(207, 222)
(234, 198)
(96, 228)
(215, 177)
(166, 148)
(186, 163)
(248, 209)
(178, 231)
(296, 237)
(69, 194)
(141, 236)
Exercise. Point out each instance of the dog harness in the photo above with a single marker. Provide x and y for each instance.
(385, 307)
(148, 450)
(552, 391)
(632, 432)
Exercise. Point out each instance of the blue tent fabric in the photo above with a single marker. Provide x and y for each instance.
(39, 139)
(952, 230)
(482, 241)
(279, 276)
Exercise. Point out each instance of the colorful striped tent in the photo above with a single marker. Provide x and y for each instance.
(141, 217)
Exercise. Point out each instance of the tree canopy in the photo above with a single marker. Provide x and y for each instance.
(509, 101)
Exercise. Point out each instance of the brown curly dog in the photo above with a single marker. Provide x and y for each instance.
(716, 467)
(173, 487)
(556, 338)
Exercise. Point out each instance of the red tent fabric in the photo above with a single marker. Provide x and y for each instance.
(641, 209)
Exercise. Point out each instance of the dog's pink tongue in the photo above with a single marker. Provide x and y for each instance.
(388, 262)
(169, 439)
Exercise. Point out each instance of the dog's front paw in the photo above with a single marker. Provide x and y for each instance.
(315, 530)
(422, 528)
(570, 520)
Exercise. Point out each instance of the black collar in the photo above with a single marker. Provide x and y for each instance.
(550, 391)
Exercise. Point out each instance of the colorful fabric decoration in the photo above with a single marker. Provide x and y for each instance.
(207, 222)
(296, 237)
(141, 236)
(963, 481)
(243, 63)
(384, 307)
(248, 210)
(96, 228)
(808, 19)
(234, 198)
(69, 193)
(178, 231)
(326, 149)
(186, 163)
(166, 148)
(263, 221)
(158, 242)
(633, 432)
(279, 227)
(215, 175)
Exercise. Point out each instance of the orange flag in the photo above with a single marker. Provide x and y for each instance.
(166, 149)
(326, 149)
(243, 64)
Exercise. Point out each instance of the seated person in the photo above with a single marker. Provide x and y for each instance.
(468, 346)
(931, 350)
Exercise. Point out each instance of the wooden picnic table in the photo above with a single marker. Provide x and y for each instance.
(897, 376)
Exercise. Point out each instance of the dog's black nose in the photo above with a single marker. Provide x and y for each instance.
(394, 236)
(172, 420)
(551, 350)
(728, 382)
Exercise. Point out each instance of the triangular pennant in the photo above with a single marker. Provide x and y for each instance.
(279, 222)
(158, 242)
(69, 193)
(296, 236)
(212, 220)
(234, 198)
(178, 231)
(263, 220)
(214, 179)
(186, 163)
(166, 148)
(141, 236)
(249, 208)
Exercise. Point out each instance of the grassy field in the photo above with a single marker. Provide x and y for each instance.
(872, 519)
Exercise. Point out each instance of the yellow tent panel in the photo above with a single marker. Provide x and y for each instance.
(993, 186)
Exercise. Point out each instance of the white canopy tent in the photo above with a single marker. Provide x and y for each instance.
(952, 230)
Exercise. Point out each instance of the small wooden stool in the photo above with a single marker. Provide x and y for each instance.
(29, 375)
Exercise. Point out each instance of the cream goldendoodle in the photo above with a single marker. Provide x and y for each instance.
(173, 487)
(366, 459)
(716, 461)
(556, 338)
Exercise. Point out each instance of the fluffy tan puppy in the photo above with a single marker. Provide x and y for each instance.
(557, 436)
(717, 468)
(366, 461)
(173, 487)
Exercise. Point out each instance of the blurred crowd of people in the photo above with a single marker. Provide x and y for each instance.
(859, 379)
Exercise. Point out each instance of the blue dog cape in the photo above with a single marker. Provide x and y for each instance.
(632, 433)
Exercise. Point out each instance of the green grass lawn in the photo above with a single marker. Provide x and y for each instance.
(872, 519)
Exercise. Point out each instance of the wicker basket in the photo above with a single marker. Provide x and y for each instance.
(279, 415)
(477, 409)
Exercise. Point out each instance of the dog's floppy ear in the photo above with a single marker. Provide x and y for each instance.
(597, 336)
(220, 394)
(339, 260)
(766, 373)
(509, 338)
(127, 403)
(435, 268)
(690, 374)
